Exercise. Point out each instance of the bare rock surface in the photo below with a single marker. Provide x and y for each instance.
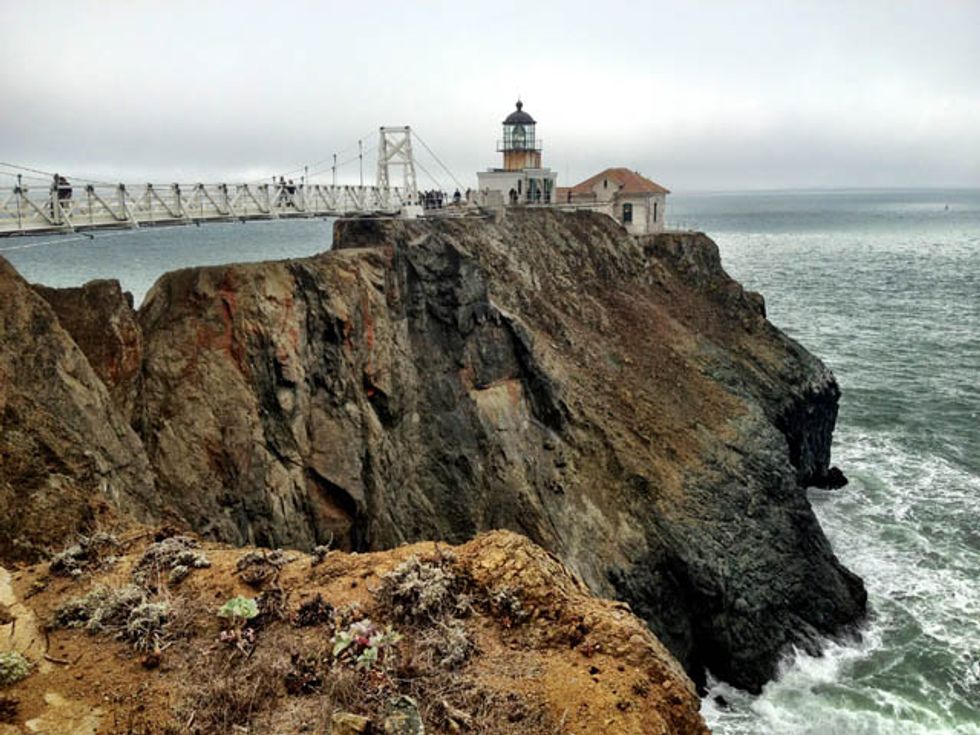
(101, 320)
(67, 456)
(623, 403)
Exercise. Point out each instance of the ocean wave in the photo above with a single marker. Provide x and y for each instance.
(906, 524)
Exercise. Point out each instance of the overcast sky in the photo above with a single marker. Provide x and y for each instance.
(696, 95)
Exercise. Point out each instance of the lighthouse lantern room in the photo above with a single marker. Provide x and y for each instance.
(522, 180)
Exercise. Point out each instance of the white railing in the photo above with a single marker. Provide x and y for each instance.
(25, 210)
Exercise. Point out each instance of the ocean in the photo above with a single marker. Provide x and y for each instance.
(885, 287)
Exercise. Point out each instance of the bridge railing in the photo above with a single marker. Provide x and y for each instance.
(66, 208)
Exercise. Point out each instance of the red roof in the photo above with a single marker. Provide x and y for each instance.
(629, 181)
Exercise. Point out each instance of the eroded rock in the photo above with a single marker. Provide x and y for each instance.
(67, 455)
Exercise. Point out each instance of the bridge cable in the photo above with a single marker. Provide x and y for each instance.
(435, 181)
(431, 153)
(50, 174)
(316, 163)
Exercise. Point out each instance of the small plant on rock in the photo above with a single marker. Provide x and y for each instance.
(364, 645)
(237, 613)
(13, 667)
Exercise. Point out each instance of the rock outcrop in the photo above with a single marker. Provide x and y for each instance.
(623, 403)
(67, 456)
(101, 320)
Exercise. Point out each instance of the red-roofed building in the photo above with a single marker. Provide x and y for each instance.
(631, 199)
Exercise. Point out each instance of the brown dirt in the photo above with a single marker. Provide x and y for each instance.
(570, 663)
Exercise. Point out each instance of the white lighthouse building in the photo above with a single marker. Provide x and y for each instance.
(522, 180)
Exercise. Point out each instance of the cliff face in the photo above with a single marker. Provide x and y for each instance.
(68, 459)
(623, 403)
(99, 317)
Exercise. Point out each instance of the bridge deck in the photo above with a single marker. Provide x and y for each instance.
(26, 211)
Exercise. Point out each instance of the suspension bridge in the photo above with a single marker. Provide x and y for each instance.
(59, 204)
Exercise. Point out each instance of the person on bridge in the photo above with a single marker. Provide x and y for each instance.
(63, 187)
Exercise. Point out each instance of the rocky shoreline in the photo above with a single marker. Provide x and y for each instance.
(623, 403)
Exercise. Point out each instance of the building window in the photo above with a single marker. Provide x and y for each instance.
(655, 211)
(627, 214)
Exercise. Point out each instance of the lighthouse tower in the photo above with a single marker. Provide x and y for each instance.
(522, 180)
(519, 147)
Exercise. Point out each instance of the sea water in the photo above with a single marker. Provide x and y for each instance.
(885, 287)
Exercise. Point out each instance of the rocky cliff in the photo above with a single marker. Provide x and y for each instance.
(623, 403)
(68, 459)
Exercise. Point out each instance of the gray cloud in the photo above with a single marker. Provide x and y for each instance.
(701, 95)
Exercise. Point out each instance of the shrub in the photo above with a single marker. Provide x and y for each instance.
(123, 612)
(420, 591)
(13, 667)
(448, 643)
(103, 608)
(146, 624)
(113, 608)
(364, 645)
(257, 567)
(313, 612)
(87, 553)
(174, 557)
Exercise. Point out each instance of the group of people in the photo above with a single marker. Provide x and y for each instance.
(287, 190)
(435, 199)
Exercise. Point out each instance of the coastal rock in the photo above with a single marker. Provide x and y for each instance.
(345, 723)
(101, 320)
(67, 456)
(622, 402)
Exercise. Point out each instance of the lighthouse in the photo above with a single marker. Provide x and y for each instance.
(522, 180)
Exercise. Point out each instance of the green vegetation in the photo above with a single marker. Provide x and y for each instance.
(13, 667)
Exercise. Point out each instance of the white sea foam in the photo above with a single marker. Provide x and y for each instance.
(918, 663)
(893, 308)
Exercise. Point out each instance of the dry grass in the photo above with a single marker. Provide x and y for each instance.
(232, 691)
